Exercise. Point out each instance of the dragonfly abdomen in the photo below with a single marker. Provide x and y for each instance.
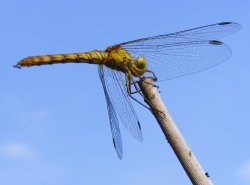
(92, 57)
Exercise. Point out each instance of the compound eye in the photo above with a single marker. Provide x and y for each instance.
(141, 62)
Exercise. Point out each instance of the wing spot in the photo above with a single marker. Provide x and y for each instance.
(215, 42)
(114, 143)
(223, 23)
(139, 125)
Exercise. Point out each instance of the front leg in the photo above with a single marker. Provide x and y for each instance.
(154, 76)
(128, 83)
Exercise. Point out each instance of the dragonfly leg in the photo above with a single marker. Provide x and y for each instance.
(137, 89)
(142, 79)
(129, 82)
(149, 82)
(135, 83)
(154, 76)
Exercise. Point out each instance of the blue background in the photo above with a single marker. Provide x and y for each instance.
(54, 127)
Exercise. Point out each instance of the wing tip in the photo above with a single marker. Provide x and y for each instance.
(119, 153)
(236, 26)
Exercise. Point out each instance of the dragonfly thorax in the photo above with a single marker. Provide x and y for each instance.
(119, 59)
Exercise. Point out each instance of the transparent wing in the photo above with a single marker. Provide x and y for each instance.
(116, 90)
(205, 33)
(185, 52)
(114, 123)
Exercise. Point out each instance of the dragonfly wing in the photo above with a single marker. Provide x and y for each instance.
(186, 52)
(209, 32)
(184, 59)
(114, 123)
(117, 93)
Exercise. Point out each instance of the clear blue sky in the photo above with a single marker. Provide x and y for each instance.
(54, 127)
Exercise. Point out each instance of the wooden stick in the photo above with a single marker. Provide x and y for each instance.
(183, 152)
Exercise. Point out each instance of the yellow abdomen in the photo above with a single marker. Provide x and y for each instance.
(92, 57)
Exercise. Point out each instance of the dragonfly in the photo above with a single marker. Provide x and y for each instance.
(164, 57)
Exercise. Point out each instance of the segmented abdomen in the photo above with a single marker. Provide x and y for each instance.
(92, 57)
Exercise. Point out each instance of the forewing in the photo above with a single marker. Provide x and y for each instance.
(116, 90)
(186, 52)
(203, 33)
(114, 123)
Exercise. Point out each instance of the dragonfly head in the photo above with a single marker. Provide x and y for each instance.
(141, 62)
